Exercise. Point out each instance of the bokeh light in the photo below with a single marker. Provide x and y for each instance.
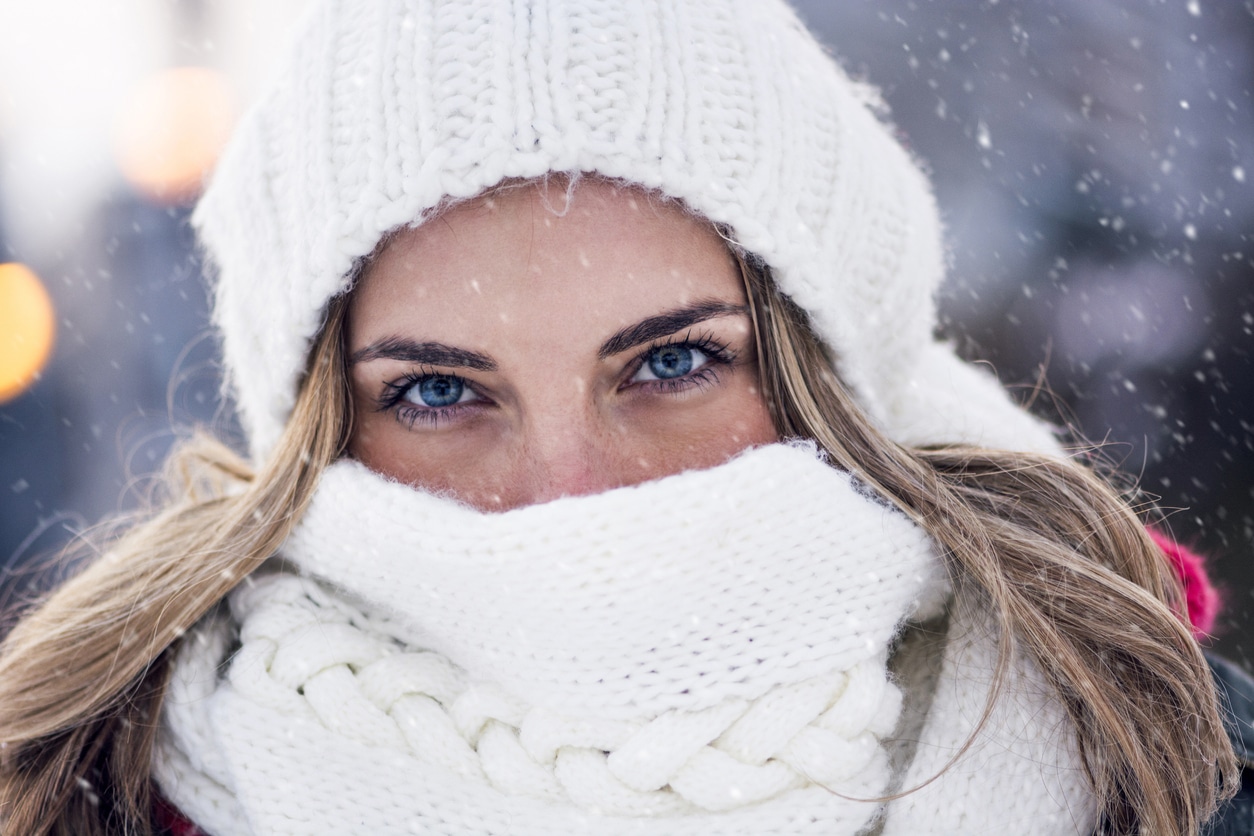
(169, 132)
(27, 328)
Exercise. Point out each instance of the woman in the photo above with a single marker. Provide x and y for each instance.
(605, 478)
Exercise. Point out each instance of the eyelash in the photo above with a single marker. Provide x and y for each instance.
(719, 354)
(393, 398)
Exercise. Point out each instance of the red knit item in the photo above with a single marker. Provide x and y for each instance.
(1200, 595)
(171, 821)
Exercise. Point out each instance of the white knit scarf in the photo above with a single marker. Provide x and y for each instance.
(703, 654)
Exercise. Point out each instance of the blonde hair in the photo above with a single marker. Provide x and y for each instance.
(1065, 566)
(82, 676)
(1063, 563)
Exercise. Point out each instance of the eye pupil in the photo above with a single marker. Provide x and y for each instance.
(671, 361)
(440, 390)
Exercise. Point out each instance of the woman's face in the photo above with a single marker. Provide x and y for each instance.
(508, 355)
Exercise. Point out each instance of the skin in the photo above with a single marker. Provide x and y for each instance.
(550, 330)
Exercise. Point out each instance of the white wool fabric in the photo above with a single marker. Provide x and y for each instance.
(386, 108)
(703, 654)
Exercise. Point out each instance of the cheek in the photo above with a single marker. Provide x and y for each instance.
(673, 438)
(469, 462)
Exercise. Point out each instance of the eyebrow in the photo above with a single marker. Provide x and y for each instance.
(665, 324)
(431, 354)
(647, 330)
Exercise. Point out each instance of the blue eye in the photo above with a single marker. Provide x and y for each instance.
(437, 390)
(429, 399)
(671, 361)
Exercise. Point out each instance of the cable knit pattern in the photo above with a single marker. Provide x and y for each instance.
(387, 107)
(596, 664)
(361, 684)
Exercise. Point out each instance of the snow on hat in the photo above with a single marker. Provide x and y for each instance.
(386, 107)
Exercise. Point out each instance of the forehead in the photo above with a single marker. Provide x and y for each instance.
(592, 261)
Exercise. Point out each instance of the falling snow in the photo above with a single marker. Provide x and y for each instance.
(1090, 158)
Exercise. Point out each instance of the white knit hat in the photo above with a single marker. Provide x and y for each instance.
(385, 107)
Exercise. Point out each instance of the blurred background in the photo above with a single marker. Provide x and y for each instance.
(1094, 161)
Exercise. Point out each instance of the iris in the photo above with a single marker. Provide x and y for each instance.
(440, 390)
(671, 361)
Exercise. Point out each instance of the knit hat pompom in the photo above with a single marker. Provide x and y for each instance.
(386, 108)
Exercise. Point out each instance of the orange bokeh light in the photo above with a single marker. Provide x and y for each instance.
(168, 134)
(27, 329)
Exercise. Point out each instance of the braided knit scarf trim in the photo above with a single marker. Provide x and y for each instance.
(702, 654)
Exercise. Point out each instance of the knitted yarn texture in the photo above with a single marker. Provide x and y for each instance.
(702, 654)
(387, 108)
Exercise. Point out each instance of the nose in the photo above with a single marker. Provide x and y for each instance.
(569, 456)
